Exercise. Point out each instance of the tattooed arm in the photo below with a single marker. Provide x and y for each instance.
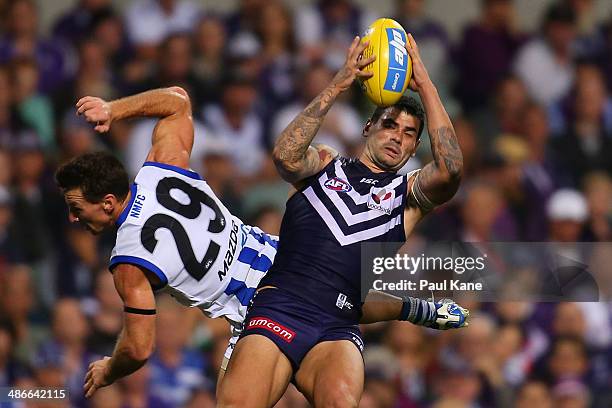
(439, 179)
(293, 155)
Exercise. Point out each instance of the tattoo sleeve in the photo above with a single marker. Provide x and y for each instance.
(291, 152)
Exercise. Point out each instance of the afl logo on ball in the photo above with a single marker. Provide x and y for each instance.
(338, 185)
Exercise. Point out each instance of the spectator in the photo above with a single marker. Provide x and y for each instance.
(107, 29)
(568, 360)
(77, 136)
(29, 205)
(10, 369)
(22, 41)
(277, 54)
(235, 121)
(466, 136)
(148, 22)
(175, 68)
(137, 391)
(18, 302)
(540, 173)
(76, 24)
(382, 372)
(34, 109)
(598, 191)
(342, 126)
(210, 59)
(105, 315)
(533, 394)
(219, 172)
(586, 146)
(70, 330)
(107, 397)
(486, 52)
(567, 212)
(94, 76)
(545, 64)
(327, 28)
(9, 250)
(571, 394)
(6, 114)
(48, 365)
(482, 213)
(176, 370)
(505, 113)
(241, 25)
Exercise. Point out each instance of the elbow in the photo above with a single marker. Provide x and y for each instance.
(140, 353)
(283, 164)
(183, 102)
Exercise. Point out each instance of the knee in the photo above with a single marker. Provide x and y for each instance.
(341, 395)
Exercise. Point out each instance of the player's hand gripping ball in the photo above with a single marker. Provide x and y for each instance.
(392, 68)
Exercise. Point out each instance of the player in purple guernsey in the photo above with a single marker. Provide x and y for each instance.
(303, 323)
(174, 234)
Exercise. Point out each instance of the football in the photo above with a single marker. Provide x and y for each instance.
(392, 68)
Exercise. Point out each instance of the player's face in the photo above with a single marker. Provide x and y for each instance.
(392, 139)
(92, 216)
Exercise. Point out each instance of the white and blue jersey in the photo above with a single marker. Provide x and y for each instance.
(175, 227)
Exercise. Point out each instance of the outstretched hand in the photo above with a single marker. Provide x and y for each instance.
(96, 377)
(354, 65)
(95, 110)
(420, 76)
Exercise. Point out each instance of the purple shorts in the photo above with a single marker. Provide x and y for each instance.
(294, 325)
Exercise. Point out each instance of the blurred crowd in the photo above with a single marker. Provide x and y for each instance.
(532, 112)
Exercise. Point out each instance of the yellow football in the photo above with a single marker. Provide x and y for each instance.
(392, 68)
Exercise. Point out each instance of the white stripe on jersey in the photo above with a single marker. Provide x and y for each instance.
(331, 222)
(349, 217)
(358, 198)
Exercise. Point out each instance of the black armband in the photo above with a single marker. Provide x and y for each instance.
(135, 310)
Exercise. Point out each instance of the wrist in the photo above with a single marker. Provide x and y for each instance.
(108, 376)
(335, 89)
(112, 108)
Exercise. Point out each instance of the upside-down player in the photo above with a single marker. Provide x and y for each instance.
(313, 288)
(172, 232)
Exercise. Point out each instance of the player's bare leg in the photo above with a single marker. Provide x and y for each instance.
(332, 374)
(257, 375)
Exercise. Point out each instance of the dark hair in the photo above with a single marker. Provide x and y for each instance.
(96, 174)
(405, 104)
(560, 13)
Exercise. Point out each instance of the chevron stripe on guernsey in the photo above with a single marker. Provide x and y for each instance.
(349, 219)
(358, 198)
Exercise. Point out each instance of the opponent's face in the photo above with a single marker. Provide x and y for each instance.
(392, 140)
(94, 217)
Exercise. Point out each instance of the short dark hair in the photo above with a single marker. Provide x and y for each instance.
(560, 13)
(406, 104)
(96, 174)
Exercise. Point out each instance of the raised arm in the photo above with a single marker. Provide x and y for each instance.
(439, 179)
(137, 337)
(293, 155)
(173, 135)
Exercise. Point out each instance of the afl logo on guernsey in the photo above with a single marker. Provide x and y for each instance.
(338, 185)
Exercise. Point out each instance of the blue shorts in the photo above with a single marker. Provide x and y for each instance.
(294, 325)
